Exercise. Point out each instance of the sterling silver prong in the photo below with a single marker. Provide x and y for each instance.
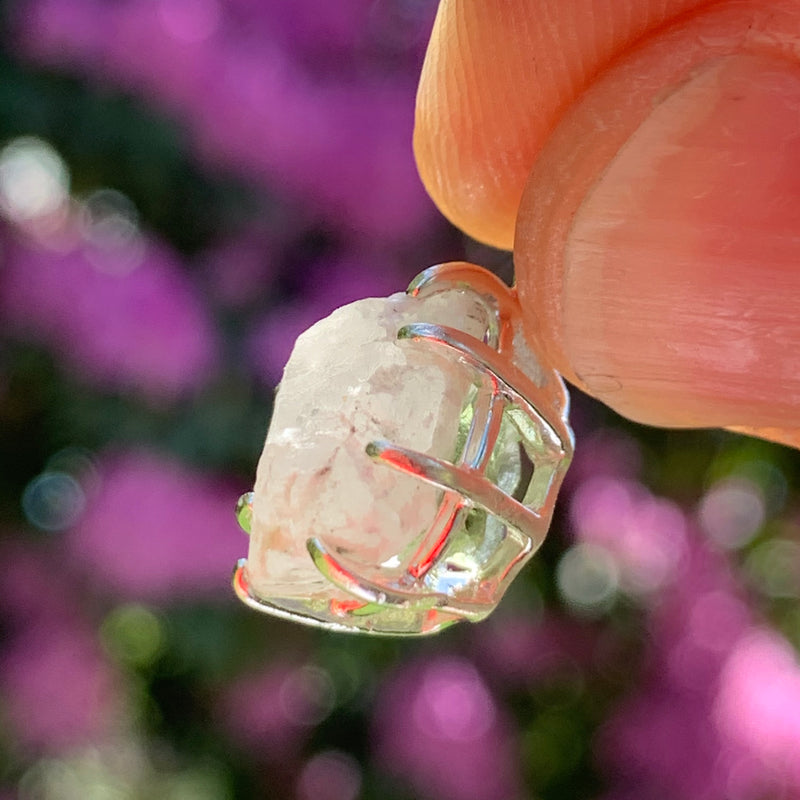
(241, 587)
(347, 577)
(517, 386)
(469, 483)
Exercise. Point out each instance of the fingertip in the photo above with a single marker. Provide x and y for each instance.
(785, 436)
(496, 79)
(657, 240)
(460, 94)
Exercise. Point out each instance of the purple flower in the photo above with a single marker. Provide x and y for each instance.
(437, 726)
(715, 713)
(758, 706)
(239, 272)
(645, 535)
(156, 530)
(520, 651)
(271, 714)
(330, 775)
(604, 452)
(255, 102)
(59, 691)
(124, 325)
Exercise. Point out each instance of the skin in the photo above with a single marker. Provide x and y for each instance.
(642, 159)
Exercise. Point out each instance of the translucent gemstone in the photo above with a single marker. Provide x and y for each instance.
(350, 382)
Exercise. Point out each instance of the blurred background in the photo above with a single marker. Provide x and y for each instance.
(185, 185)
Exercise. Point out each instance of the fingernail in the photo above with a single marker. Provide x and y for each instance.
(681, 279)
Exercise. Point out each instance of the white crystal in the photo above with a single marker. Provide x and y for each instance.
(349, 382)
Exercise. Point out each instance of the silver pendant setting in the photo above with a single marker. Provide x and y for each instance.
(495, 495)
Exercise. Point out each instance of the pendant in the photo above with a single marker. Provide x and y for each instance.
(416, 449)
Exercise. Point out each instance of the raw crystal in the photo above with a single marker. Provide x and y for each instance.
(349, 382)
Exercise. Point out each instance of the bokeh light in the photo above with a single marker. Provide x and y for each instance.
(330, 775)
(732, 512)
(774, 567)
(307, 696)
(133, 634)
(34, 181)
(53, 501)
(110, 224)
(439, 731)
(588, 578)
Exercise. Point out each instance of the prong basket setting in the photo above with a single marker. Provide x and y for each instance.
(495, 495)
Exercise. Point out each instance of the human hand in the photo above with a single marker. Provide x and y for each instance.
(642, 157)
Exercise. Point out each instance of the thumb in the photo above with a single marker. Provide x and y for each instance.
(657, 244)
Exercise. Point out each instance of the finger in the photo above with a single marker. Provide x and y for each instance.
(497, 76)
(782, 436)
(658, 244)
